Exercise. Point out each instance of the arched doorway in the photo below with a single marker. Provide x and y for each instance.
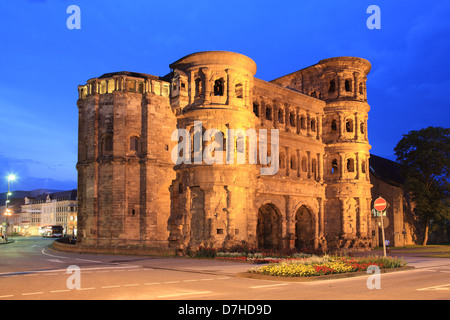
(304, 228)
(269, 227)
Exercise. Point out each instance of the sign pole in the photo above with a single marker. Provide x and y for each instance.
(382, 233)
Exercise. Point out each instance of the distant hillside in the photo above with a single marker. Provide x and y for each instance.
(23, 194)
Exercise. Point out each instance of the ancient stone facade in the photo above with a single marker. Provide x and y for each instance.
(131, 192)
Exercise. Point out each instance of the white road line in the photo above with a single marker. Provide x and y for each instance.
(184, 294)
(131, 285)
(151, 283)
(7, 296)
(172, 282)
(81, 289)
(206, 279)
(108, 287)
(193, 280)
(270, 285)
(58, 291)
(95, 261)
(31, 293)
(442, 287)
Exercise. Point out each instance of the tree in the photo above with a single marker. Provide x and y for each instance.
(425, 158)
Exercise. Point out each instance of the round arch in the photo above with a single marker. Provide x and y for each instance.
(268, 228)
(304, 228)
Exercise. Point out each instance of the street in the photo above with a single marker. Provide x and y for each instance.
(29, 270)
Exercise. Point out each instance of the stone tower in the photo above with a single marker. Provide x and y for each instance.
(341, 83)
(124, 166)
(212, 202)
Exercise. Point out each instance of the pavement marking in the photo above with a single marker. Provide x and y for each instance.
(31, 293)
(81, 289)
(151, 283)
(7, 296)
(270, 285)
(172, 282)
(59, 291)
(94, 261)
(131, 285)
(442, 287)
(184, 294)
(192, 280)
(108, 287)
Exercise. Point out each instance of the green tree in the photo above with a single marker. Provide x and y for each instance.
(425, 158)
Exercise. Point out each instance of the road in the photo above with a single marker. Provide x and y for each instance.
(29, 270)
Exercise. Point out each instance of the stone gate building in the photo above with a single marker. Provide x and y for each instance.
(130, 192)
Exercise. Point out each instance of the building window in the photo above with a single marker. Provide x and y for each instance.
(333, 125)
(256, 109)
(218, 87)
(350, 165)
(313, 125)
(304, 165)
(334, 166)
(349, 125)
(268, 113)
(292, 119)
(332, 87)
(198, 87)
(280, 116)
(107, 144)
(239, 90)
(348, 86)
(134, 143)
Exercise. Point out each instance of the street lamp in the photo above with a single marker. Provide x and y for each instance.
(8, 213)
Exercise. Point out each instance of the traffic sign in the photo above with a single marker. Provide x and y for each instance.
(380, 204)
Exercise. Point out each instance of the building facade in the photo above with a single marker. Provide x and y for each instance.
(132, 190)
(56, 209)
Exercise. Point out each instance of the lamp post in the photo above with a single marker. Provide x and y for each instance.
(8, 212)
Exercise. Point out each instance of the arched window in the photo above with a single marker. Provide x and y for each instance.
(333, 125)
(198, 87)
(348, 85)
(334, 166)
(349, 125)
(218, 87)
(134, 144)
(107, 144)
(363, 166)
(280, 116)
(302, 122)
(350, 165)
(293, 162)
(361, 127)
(268, 113)
(292, 119)
(304, 165)
(313, 125)
(239, 90)
(332, 87)
(256, 109)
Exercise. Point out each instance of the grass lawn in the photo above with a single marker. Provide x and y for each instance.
(434, 251)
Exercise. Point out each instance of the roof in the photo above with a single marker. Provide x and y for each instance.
(386, 170)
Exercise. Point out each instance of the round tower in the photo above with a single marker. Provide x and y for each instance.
(341, 83)
(212, 193)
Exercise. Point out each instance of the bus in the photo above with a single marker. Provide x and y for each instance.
(52, 231)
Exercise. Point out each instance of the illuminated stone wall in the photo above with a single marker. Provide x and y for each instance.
(132, 193)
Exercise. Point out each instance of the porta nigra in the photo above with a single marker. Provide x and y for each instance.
(131, 193)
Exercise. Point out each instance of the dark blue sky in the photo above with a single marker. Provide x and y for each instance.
(42, 62)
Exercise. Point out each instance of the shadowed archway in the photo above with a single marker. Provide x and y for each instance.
(269, 227)
(304, 228)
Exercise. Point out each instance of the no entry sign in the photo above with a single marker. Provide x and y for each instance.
(380, 204)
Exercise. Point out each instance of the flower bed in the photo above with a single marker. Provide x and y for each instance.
(318, 266)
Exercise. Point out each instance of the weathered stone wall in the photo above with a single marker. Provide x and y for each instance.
(131, 192)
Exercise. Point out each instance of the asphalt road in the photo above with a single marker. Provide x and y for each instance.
(29, 270)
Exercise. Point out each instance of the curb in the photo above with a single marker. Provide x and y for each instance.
(317, 278)
(7, 242)
(123, 251)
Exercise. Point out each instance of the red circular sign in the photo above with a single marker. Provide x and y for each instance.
(380, 204)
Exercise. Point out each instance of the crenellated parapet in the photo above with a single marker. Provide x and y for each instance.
(130, 82)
